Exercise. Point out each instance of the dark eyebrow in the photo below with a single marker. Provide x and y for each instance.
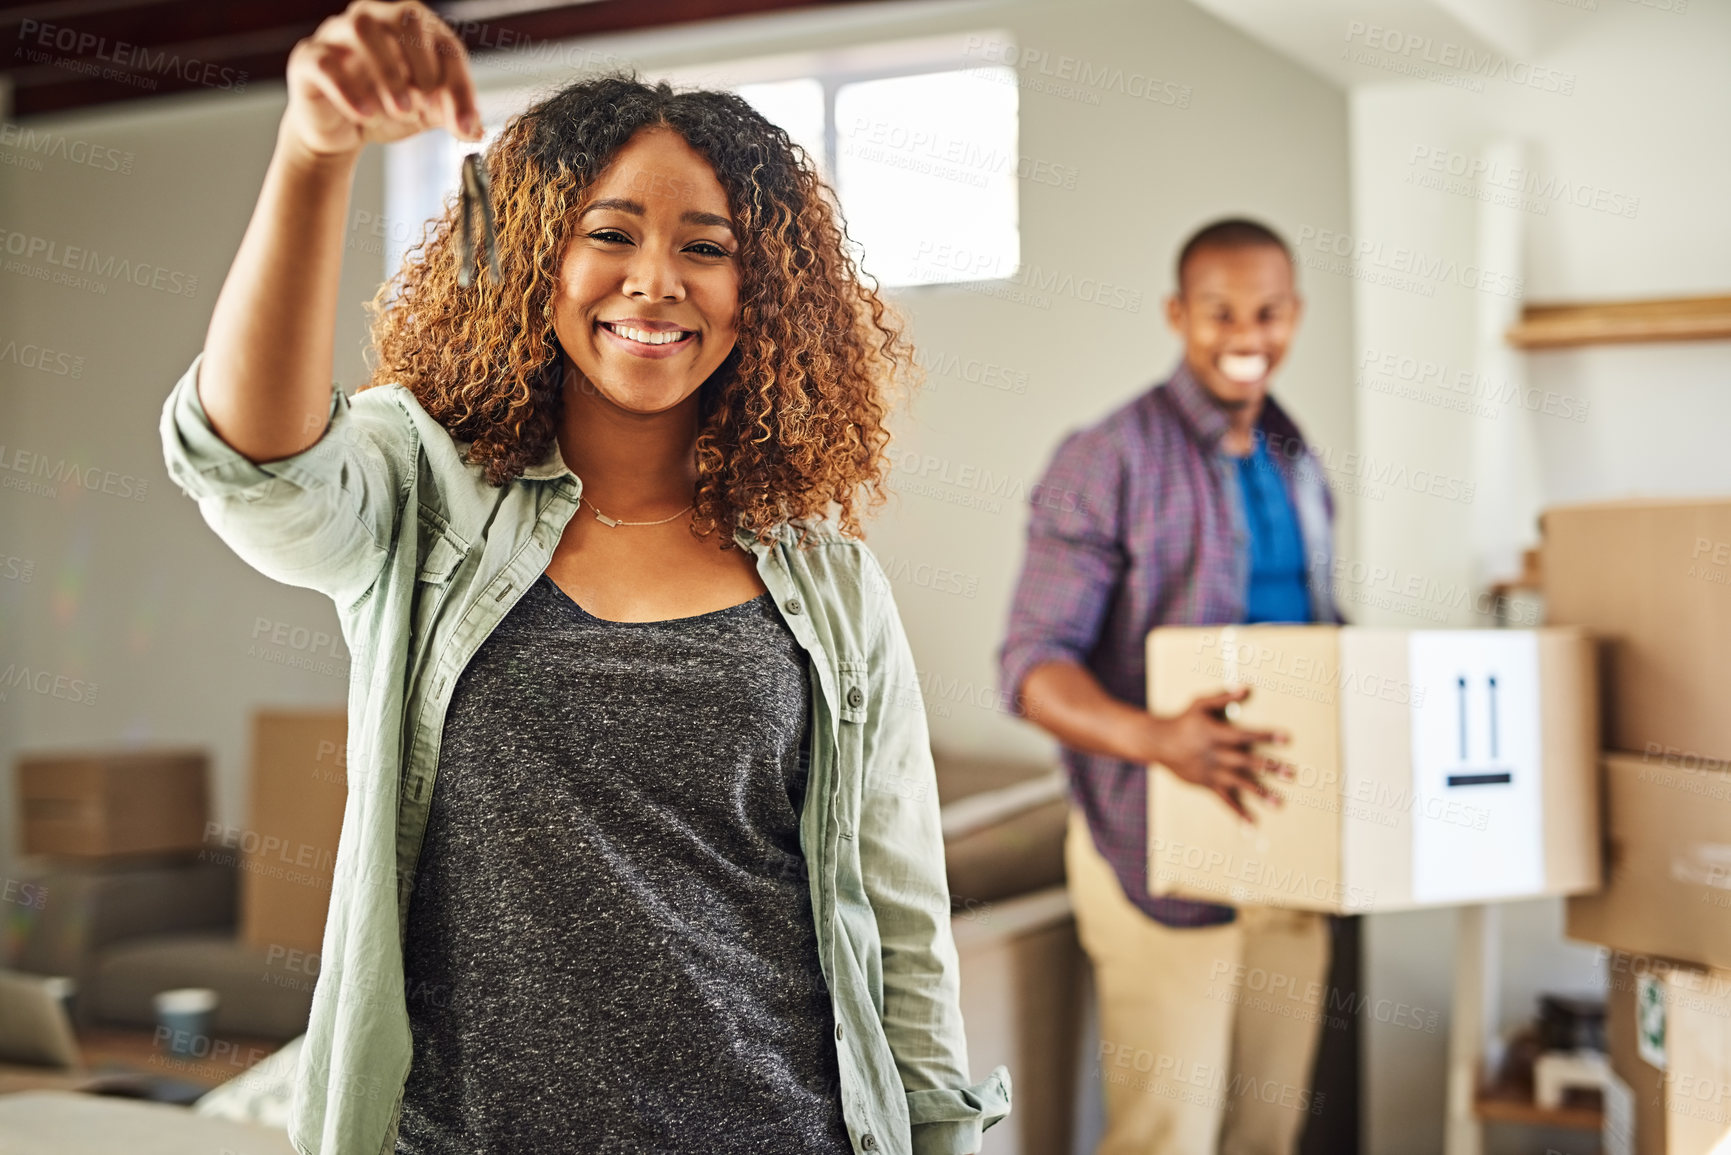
(1214, 298)
(635, 208)
(619, 204)
(696, 218)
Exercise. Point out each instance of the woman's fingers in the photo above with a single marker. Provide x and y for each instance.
(380, 52)
(419, 37)
(438, 66)
(453, 83)
(459, 89)
(410, 66)
(346, 87)
(379, 72)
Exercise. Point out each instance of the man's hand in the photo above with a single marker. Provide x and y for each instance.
(1199, 745)
(1204, 749)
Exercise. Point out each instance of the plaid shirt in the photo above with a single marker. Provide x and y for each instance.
(1136, 524)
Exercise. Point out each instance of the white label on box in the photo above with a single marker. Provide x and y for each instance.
(1617, 1133)
(1650, 1020)
(1477, 818)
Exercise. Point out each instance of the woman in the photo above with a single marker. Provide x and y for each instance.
(641, 848)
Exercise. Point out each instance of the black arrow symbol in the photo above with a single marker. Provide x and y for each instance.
(1493, 717)
(1461, 682)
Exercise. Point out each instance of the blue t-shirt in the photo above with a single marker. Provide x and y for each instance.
(1279, 581)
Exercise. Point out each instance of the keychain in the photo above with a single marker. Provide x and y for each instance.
(475, 194)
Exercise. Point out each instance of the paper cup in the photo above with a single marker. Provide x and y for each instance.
(183, 1020)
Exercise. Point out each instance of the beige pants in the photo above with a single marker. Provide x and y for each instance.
(1207, 1035)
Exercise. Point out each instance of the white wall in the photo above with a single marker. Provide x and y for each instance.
(1646, 122)
(135, 594)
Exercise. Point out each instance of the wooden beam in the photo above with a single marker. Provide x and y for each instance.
(157, 22)
(83, 53)
(597, 17)
(124, 50)
(1619, 322)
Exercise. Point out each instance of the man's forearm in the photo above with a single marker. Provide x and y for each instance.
(1066, 700)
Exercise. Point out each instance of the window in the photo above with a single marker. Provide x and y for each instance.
(918, 139)
(925, 169)
(422, 176)
(797, 106)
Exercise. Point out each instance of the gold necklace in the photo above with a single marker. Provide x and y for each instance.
(613, 521)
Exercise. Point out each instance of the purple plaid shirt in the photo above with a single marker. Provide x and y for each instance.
(1136, 524)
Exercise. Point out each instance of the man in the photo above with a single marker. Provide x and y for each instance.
(1198, 503)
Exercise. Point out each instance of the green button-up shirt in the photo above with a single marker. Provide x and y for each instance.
(423, 558)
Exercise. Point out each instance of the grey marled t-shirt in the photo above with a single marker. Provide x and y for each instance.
(610, 941)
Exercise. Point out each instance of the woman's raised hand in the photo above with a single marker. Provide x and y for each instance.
(379, 72)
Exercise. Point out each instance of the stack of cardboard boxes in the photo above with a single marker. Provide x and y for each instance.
(100, 806)
(288, 850)
(138, 892)
(1653, 580)
(126, 806)
(113, 847)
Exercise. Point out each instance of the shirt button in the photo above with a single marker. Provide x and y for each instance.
(838, 1032)
(869, 1141)
(855, 696)
(794, 606)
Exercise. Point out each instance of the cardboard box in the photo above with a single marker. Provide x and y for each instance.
(1435, 767)
(1697, 1062)
(1634, 1120)
(109, 803)
(1668, 1031)
(1022, 973)
(288, 849)
(1667, 862)
(1003, 821)
(1653, 579)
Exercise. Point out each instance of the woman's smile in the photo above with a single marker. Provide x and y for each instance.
(643, 338)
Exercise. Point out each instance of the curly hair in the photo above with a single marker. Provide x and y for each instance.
(791, 426)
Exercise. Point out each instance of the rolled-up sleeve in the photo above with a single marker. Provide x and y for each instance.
(324, 518)
(902, 852)
(1075, 558)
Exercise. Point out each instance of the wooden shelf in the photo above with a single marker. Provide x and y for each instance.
(1529, 580)
(1620, 322)
(1581, 1111)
